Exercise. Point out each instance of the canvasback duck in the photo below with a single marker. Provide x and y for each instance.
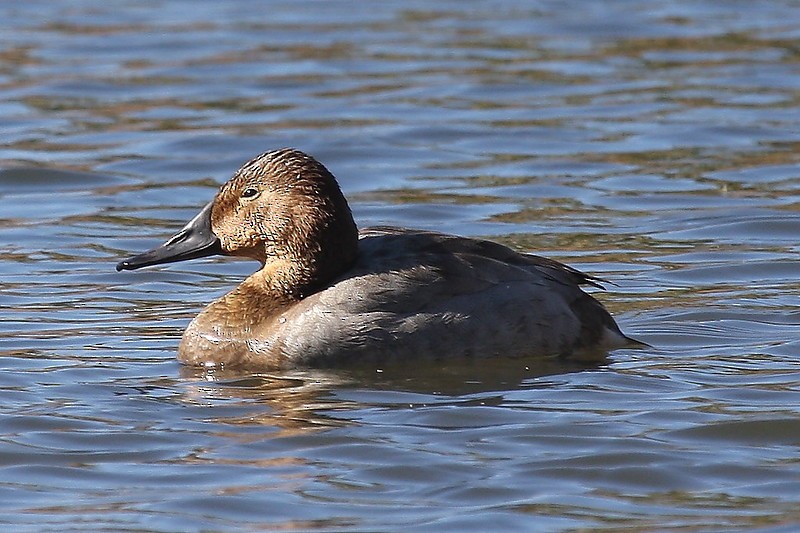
(327, 294)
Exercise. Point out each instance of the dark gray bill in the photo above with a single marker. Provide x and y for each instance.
(195, 240)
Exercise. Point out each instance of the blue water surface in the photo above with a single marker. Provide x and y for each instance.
(653, 143)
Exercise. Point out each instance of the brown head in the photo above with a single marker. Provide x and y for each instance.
(282, 208)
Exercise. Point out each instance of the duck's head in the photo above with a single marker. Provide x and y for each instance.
(284, 207)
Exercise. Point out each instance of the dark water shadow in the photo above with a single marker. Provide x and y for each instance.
(40, 179)
(466, 376)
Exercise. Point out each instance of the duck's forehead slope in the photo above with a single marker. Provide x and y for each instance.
(268, 169)
(256, 169)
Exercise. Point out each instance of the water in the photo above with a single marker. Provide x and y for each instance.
(652, 143)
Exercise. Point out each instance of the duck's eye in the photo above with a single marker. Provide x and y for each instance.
(249, 192)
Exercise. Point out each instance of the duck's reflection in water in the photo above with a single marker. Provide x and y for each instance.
(303, 400)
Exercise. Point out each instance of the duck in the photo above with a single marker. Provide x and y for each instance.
(328, 294)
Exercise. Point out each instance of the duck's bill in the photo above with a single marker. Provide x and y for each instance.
(195, 240)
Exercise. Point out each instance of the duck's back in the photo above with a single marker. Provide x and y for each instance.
(423, 294)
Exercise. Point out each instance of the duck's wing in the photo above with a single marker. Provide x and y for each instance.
(440, 243)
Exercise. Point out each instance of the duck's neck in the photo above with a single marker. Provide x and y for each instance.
(262, 295)
(265, 293)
